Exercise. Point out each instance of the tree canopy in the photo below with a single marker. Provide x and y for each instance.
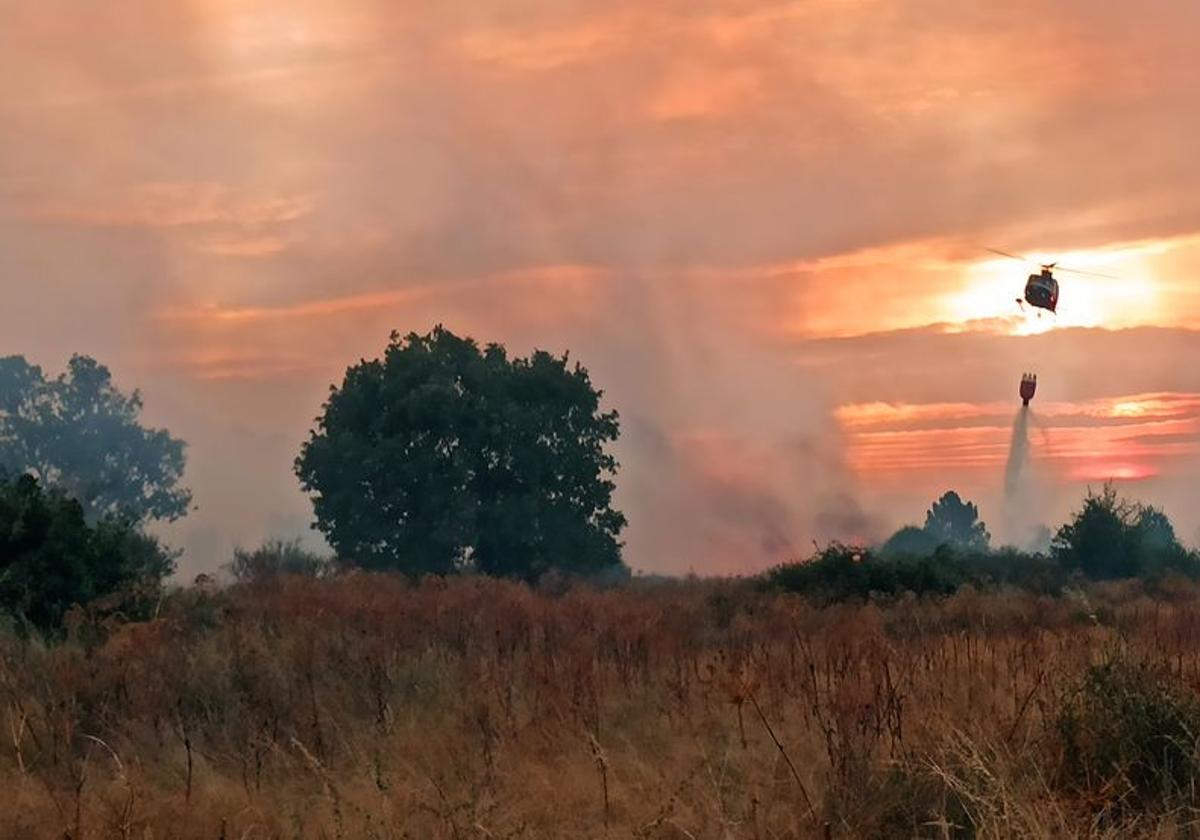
(1111, 537)
(51, 559)
(951, 521)
(443, 456)
(78, 432)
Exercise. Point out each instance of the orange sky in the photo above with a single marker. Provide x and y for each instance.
(763, 226)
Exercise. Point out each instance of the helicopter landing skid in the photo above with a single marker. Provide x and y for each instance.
(1036, 311)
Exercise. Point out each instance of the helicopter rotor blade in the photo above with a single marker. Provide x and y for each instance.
(1006, 254)
(1054, 266)
(1087, 273)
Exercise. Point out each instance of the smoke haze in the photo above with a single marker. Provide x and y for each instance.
(756, 223)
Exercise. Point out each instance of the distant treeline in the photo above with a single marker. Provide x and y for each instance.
(1108, 538)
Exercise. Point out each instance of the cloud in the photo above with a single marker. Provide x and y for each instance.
(250, 247)
(741, 216)
(170, 205)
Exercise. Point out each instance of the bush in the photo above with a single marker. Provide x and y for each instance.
(279, 557)
(51, 560)
(1111, 537)
(840, 572)
(1030, 571)
(909, 540)
(1127, 737)
(902, 799)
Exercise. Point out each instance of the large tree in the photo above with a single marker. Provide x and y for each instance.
(444, 456)
(79, 433)
(51, 559)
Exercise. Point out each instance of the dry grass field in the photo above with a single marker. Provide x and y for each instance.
(367, 707)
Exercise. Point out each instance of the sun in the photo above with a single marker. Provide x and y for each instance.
(1109, 471)
(1129, 408)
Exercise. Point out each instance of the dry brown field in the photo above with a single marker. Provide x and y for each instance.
(368, 707)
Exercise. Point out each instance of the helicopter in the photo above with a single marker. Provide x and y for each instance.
(1041, 289)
